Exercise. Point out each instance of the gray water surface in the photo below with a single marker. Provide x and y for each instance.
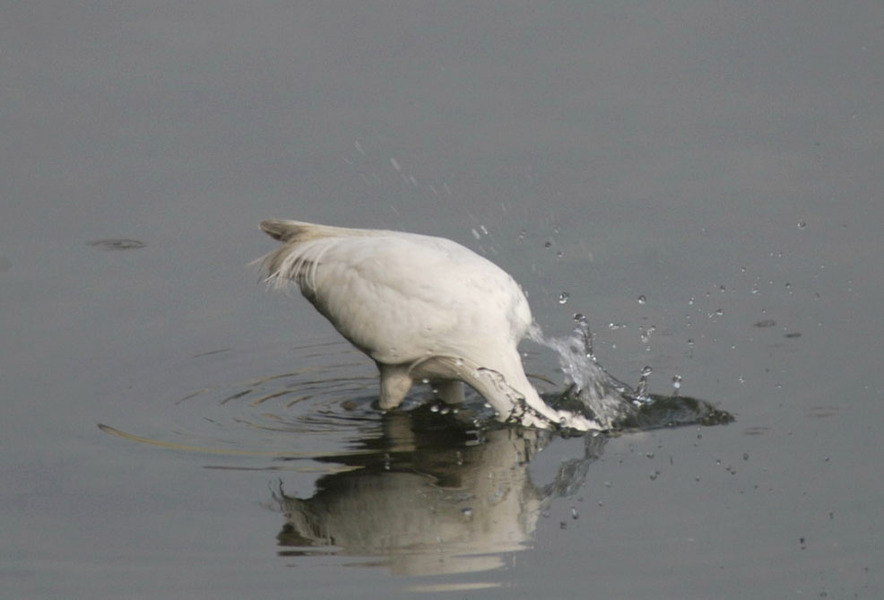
(702, 181)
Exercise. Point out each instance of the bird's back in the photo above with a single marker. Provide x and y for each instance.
(401, 297)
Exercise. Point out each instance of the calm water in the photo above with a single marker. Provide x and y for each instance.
(703, 183)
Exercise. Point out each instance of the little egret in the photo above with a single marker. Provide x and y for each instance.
(425, 309)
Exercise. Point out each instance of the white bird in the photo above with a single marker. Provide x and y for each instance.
(425, 309)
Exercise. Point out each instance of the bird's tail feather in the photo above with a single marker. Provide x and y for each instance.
(303, 244)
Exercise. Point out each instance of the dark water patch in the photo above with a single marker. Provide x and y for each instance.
(676, 411)
(117, 244)
(656, 411)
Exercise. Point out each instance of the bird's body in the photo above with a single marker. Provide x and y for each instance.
(423, 308)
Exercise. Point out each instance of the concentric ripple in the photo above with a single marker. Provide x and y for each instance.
(326, 407)
(321, 408)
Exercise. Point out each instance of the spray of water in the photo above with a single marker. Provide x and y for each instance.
(590, 389)
(594, 393)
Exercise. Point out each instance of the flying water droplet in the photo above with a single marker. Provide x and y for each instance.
(642, 299)
(641, 391)
(563, 297)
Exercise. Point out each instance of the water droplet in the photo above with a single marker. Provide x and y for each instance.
(547, 244)
(802, 224)
(654, 475)
(676, 384)
(579, 318)
(641, 390)
(642, 299)
(563, 297)
(574, 514)
(523, 234)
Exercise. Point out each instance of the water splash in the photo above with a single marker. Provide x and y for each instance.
(595, 393)
(590, 389)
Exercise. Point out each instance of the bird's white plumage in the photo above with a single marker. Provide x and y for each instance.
(421, 307)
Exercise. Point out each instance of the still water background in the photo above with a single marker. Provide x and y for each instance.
(702, 180)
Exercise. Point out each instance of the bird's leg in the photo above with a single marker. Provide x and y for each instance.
(450, 391)
(395, 383)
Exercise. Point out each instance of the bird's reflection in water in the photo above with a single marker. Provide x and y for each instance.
(433, 497)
